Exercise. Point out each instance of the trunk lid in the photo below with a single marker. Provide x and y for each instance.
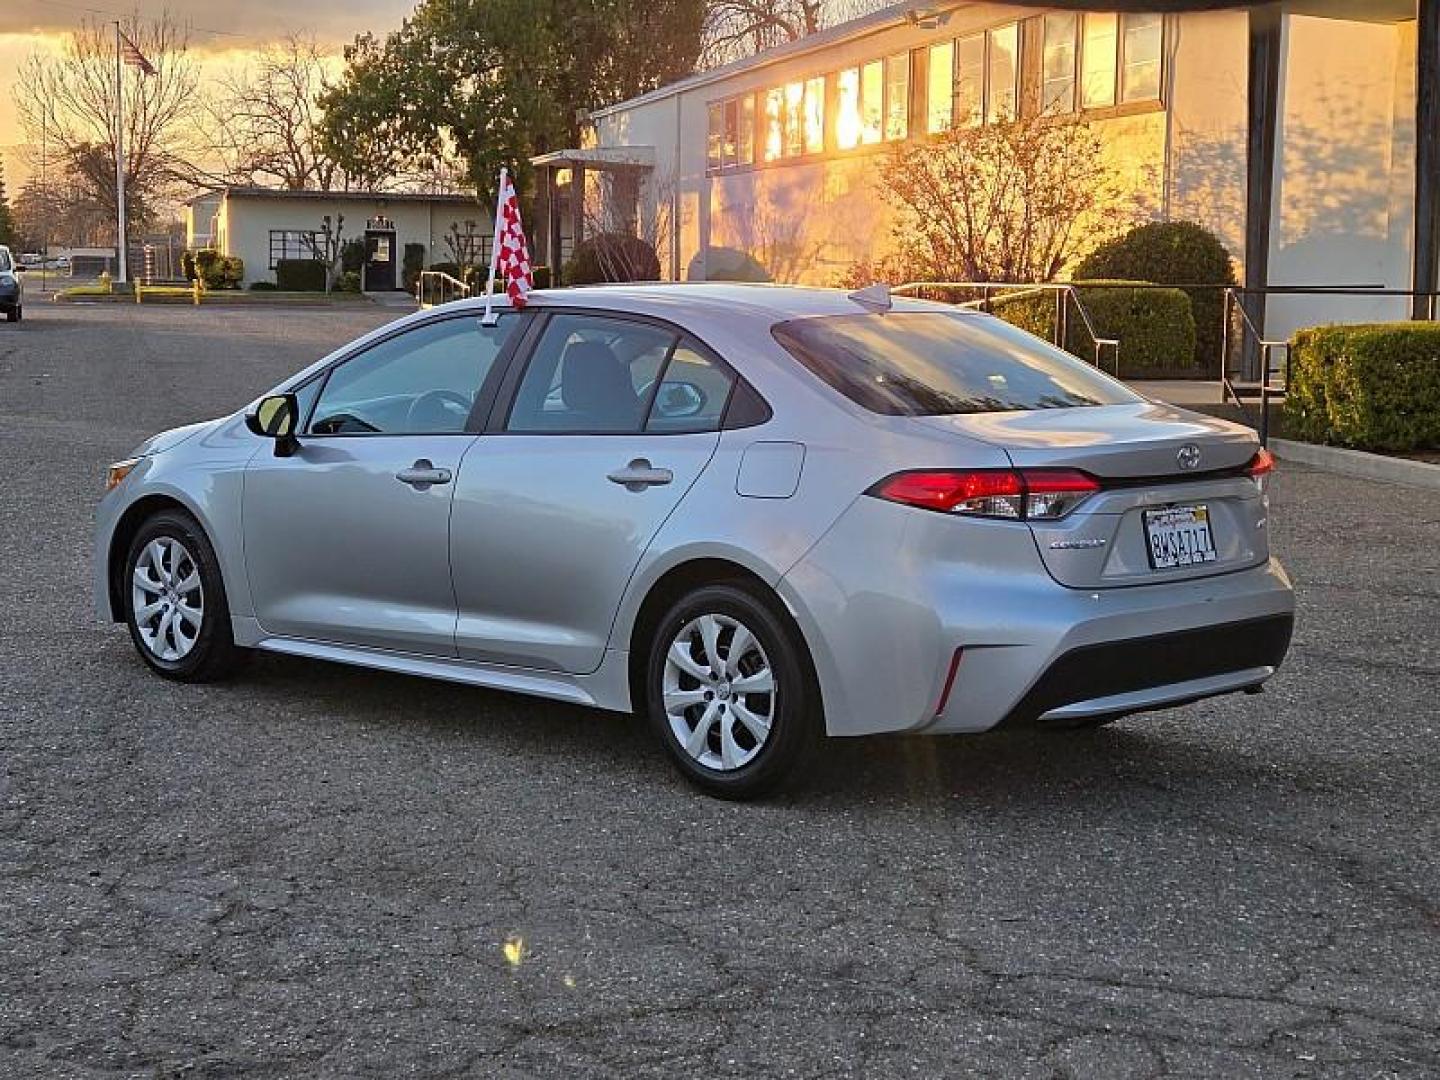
(1145, 455)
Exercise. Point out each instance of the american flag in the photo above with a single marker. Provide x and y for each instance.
(513, 261)
(131, 54)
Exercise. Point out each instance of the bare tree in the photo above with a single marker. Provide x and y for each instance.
(329, 248)
(72, 97)
(737, 28)
(1014, 201)
(261, 124)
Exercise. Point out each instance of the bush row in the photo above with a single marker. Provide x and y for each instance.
(212, 269)
(1155, 327)
(1371, 387)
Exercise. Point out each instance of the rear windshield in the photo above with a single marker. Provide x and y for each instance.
(923, 363)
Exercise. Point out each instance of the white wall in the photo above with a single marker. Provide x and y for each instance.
(247, 222)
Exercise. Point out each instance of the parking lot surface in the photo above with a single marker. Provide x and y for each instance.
(317, 871)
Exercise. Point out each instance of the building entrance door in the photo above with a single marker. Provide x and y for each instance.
(379, 274)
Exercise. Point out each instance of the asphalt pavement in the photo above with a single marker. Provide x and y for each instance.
(318, 871)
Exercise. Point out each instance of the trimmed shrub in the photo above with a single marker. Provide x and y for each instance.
(210, 268)
(411, 265)
(300, 275)
(611, 257)
(349, 282)
(232, 271)
(542, 276)
(1172, 253)
(1371, 387)
(352, 256)
(263, 286)
(187, 265)
(1155, 327)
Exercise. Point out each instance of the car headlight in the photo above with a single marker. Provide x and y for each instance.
(118, 471)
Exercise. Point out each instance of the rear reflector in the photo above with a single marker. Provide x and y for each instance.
(1017, 494)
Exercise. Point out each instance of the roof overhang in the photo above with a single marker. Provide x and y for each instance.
(599, 157)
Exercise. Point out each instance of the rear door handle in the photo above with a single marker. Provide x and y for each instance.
(639, 475)
(422, 475)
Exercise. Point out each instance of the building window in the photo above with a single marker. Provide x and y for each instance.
(897, 96)
(774, 124)
(939, 88)
(1097, 60)
(1001, 97)
(794, 119)
(815, 115)
(872, 101)
(1058, 64)
(969, 80)
(716, 135)
(1140, 60)
(847, 105)
(745, 150)
(730, 143)
(294, 244)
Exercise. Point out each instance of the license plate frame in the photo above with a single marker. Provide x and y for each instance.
(1185, 533)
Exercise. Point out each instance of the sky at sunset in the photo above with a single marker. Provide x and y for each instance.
(221, 33)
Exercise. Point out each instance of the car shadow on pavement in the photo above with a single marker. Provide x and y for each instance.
(1025, 765)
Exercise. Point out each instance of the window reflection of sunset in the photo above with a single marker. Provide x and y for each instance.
(847, 120)
(774, 124)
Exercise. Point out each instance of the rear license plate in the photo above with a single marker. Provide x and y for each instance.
(1179, 536)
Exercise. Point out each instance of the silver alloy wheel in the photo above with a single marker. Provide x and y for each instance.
(718, 690)
(167, 598)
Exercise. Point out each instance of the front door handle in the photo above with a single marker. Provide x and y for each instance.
(422, 475)
(639, 475)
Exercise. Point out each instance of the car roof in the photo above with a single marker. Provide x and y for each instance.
(711, 299)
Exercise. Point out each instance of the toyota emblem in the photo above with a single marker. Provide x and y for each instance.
(1188, 456)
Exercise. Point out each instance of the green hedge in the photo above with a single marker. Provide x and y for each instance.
(1173, 253)
(1155, 327)
(1372, 387)
(300, 275)
(411, 265)
(218, 271)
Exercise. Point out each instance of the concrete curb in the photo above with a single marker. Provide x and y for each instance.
(1391, 470)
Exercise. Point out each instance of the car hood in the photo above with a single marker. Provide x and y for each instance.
(168, 440)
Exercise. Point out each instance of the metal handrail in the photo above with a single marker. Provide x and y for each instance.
(435, 287)
(1267, 347)
(1065, 295)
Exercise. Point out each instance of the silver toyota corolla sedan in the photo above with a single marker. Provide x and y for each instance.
(756, 514)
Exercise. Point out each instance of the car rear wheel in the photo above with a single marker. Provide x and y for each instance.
(175, 603)
(729, 692)
(13, 315)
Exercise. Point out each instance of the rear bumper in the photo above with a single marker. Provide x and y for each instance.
(890, 595)
(1137, 674)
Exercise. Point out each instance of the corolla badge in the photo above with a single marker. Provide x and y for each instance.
(1188, 456)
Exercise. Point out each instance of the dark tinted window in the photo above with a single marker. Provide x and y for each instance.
(937, 363)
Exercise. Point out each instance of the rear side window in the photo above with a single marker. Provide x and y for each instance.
(921, 363)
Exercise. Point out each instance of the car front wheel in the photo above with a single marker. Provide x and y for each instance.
(730, 694)
(175, 603)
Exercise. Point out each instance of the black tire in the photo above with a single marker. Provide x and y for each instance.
(796, 717)
(213, 654)
(13, 315)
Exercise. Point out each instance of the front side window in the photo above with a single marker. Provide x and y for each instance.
(421, 382)
(939, 363)
(590, 375)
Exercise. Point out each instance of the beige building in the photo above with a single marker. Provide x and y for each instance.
(1290, 129)
(263, 226)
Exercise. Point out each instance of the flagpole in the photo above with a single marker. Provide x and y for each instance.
(119, 160)
(489, 318)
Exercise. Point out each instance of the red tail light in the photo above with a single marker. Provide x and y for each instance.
(1017, 494)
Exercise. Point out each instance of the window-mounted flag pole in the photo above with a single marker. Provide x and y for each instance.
(509, 254)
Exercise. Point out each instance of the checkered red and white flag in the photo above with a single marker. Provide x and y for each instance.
(513, 254)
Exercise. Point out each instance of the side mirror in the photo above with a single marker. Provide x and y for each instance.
(679, 400)
(20, 268)
(276, 417)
